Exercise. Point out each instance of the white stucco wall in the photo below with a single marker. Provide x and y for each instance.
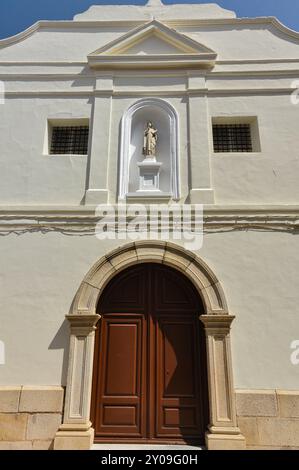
(46, 76)
(154, 8)
(38, 89)
(40, 275)
(29, 176)
(270, 176)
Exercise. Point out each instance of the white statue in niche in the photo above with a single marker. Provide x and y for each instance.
(149, 168)
(150, 140)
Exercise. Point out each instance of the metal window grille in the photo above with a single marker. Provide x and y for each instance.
(232, 138)
(70, 140)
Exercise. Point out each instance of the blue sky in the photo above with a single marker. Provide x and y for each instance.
(17, 15)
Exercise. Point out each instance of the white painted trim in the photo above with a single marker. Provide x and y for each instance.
(49, 93)
(43, 63)
(267, 21)
(249, 91)
(46, 76)
(155, 73)
(81, 221)
(151, 61)
(254, 61)
(155, 93)
(80, 63)
(62, 209)
(253, 73)
(126, 139)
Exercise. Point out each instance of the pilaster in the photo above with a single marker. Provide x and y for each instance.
(75, 431)
(223, 432)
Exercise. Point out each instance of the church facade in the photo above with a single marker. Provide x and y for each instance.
(149, 207)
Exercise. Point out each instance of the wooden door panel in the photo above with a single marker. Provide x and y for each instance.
(122, 369)
(178, 397)
(126, 293)
(122, 385)
(180, 416)
(173, 293)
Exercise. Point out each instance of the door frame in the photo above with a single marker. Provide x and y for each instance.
(76, 430)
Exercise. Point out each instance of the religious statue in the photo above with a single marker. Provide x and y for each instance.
(150, 140)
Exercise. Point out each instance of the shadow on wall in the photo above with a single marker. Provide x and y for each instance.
(61, 341)
(191, 410)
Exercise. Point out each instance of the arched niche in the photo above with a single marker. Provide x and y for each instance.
(165, 119)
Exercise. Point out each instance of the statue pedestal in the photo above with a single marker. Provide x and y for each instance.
(149, 171)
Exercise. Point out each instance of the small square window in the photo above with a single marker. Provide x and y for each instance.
(232, 138)
(69, 139)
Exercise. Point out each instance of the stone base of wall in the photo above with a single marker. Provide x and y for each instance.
(29, 417)
(269, 419)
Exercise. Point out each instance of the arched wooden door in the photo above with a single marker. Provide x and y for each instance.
(149, 381)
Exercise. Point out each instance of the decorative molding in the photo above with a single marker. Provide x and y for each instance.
(221, 388)
(79, 379)
(253, 73)
(267, 21)
(46, 76)
(233, 209)
(154, 93)
(255, 61)
(154, 61)
(47, 94)
(250, 91)
(60, 209)
(84, 63)
(209, 74)
(262, 20)
(82, 221)
(57, 63)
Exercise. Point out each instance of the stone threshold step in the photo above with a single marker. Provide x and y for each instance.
(145, 447)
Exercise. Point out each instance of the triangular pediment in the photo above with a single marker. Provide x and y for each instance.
(152, 44)
(147, 42)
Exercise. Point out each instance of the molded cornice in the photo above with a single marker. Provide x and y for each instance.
(267, 21)
(81, 221)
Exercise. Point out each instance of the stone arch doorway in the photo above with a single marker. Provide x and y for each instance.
(150, 377)
(76, 431)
